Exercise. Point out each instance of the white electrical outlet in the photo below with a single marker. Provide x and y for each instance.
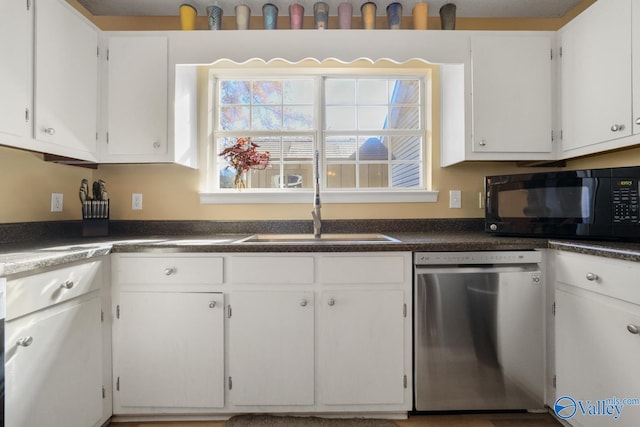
(455, 199)
(56, 202)
(136, 201)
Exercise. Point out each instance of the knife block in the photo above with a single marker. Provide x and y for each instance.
(95, 218)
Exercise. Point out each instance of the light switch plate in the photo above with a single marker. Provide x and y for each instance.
(56, 202)
(455, 199)
(136, 201)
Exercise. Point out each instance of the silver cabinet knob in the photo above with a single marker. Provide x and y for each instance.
(303, 303)
(617, 128)
(331, 302)
(634, 329)
(591, 277)
(156, 145)
(169, 271)
(25, 341)
(482, 143)
(67, 285)
(49, 131)
(212, 304)
(638, 121)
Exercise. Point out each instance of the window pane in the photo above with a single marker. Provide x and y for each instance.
(374, 175)
(340, 148)
(406, 147)
(373, 149)
(404, 118)
(267, 92)
(372, 92)
(343, 118)
(405, 91)
(234, 118)
(266, 118)
(405, 175)
(372, 118)
(341, 176)
(298, 118)
(235, 92)
(340, 91)
(298, 148)
(298, 92)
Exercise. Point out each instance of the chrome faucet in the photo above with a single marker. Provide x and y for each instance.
(315, 213)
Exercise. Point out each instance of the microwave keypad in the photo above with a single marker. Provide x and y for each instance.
(625, 201)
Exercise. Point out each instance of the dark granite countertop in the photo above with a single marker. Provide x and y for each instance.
(24, 257)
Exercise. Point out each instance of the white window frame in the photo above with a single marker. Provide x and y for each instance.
(305, 196)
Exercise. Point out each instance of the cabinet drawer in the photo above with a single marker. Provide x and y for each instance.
(170, 270)
(272, 269)
(34, 292)
(615, 278)
(369, 269)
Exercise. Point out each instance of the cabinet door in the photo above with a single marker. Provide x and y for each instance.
(362, 347)
(271, 351)
(596, 75)
(137, 99)
(635, 67)
(511, 94)
(168, 350)
(596, 355)
(66, 70)
(16, 75)
(55, 377)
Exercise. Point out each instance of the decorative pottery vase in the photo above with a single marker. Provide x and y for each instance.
(243, 12)
(321, 15)
(420, 14)
(368, 11)
(448, 16)
(270, 16)
(188, 15)
(394, 15)
(345, 13)
(296, 15)
(214, 13)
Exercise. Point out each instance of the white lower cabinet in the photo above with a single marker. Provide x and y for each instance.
(170, 350)
(597, 340)
(271, 348)
(54, 371)
(362, 347)
(262, 332)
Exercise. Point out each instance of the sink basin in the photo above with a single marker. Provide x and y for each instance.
(328, 238)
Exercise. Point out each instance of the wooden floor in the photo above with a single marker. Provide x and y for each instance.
(466, 420)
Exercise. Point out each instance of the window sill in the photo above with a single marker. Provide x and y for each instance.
(374, 196)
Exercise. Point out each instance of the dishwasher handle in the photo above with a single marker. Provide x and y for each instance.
(471, 269)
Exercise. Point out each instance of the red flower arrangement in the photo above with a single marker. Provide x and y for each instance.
(244, 156)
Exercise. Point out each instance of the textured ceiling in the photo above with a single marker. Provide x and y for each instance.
(465, 8)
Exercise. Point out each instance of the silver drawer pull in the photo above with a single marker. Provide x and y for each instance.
(67, 285)
(303, 303)
(331, 302)
(49, 131)
(25, 341)
(212, 304)
(633, 329)
(169, 271)
(617, 128)
(591, 277)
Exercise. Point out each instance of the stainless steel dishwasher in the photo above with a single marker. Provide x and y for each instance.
(478, 331)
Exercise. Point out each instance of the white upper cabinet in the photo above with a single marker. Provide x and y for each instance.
(596, 78)
(16, 51)
(136, 101)
(635, 55)
(66, 81)
(511, 94)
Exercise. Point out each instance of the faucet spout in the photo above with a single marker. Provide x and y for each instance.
(317, 219)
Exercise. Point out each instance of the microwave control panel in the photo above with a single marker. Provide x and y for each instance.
(624, 193)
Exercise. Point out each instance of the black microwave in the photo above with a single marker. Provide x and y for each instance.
(590, 203)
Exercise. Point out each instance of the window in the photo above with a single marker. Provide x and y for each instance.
(370, 129)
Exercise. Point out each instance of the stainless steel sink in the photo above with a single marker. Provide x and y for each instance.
(328, 238)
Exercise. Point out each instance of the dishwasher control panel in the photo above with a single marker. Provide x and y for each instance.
(477, 257)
